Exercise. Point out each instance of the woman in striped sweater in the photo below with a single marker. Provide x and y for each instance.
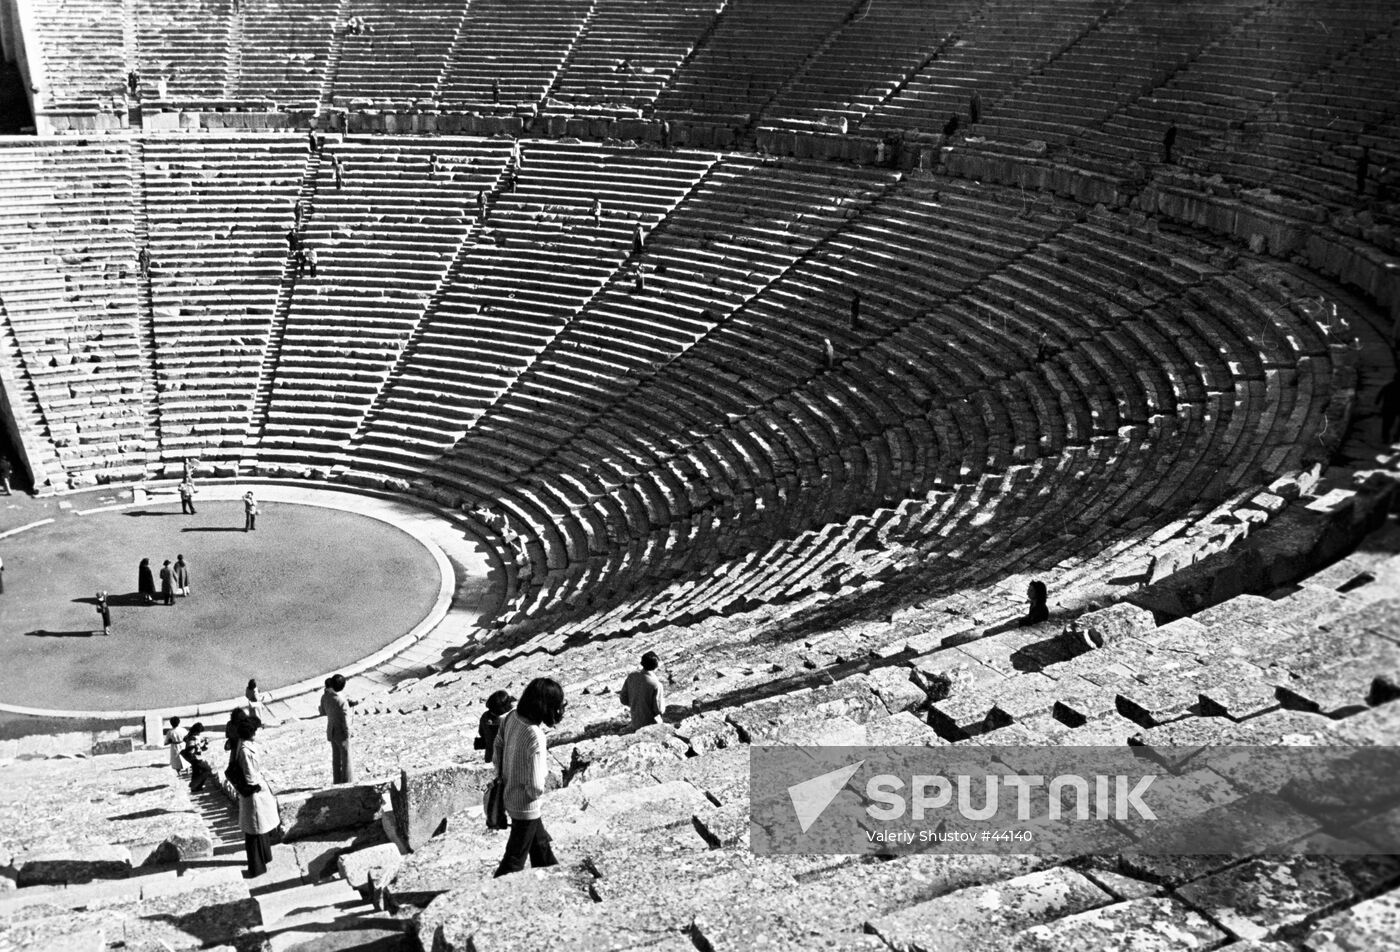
(520, 759)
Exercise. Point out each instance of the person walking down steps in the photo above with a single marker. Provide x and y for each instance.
(520, 762)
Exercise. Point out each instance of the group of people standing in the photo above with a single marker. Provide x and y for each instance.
(174, 579)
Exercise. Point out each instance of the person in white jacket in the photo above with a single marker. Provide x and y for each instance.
(520, 760)
(257, 807)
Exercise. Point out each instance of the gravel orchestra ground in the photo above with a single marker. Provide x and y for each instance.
(310, 590)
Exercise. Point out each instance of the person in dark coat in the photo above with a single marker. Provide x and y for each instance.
(105, 611)
(1169, 144)
(167, 583)
(950, 127)
(145, 582)
(1363, 169)
(855, 310)
(1039, 609)
(498, 705)
(974, 108)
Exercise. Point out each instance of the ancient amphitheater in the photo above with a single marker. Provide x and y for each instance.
(788, 338)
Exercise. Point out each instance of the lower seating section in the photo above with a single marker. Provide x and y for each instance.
(383, 243)
(754, 48)
(284, 49)
(70, 303)
(699, 268)
(219, 211)
(508, 52)
(81, 50)
(628, 53)
(185, 42)
(1004, 42)
(540, 257)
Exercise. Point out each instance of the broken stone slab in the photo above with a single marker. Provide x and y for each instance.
(1251, 825)
(1143, 925)
(894, 685)
(1370, 924)
(1108, 626)
(724, 826)
(425, 798)
(904, 729)
(487, 916)
(78, 864)
(986, 917)
(722, 775)
(318, 856)
(641, 751)
(355, 867)
(1263, 897)
(708, 731)
(342, 807)
(951, 673)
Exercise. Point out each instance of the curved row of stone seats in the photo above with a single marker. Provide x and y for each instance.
(1132, 51)
(566, 511)
(875, 51)
(626, 55)
(219, 210)
(189, 43)
(1230, 81)
(283, 49)
(1001, 44)
(383, 242)
(81, 52)
(740, 229)
(1307, 145)
(749, 56)
(65, 821)
(509, 53)
(399, 58)
(539, 259)
(70, 304)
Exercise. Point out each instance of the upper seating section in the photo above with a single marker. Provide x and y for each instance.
(187, 43)
(1003, 42)
(283, 49)
(755, 47)
(399, 56)
(507, 53)
(627, 54)
(82, 51)
(886, 42)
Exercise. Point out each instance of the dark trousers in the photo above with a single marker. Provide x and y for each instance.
(259, 852)
(168, 595)
(187, 506)
(341, 771)
(528, 840)
(201, 771)
(250, 521)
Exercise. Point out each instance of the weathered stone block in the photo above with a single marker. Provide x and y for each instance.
(425, 798)
(383, 860)
(333, 808)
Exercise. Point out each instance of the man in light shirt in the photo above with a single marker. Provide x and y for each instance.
(644, 694)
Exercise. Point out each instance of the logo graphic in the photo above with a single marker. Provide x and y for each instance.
(810, 798)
